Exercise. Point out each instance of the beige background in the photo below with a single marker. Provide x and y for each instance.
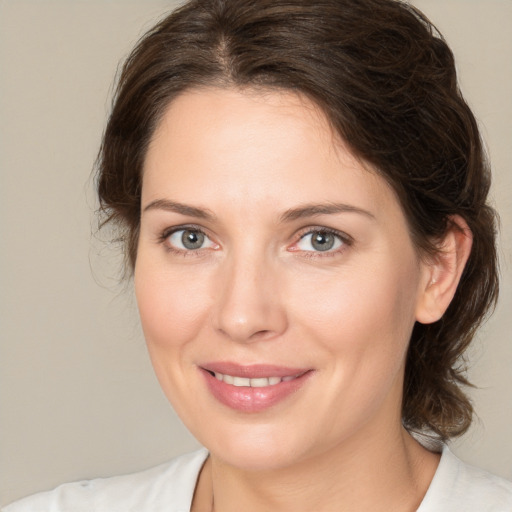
(77, 394)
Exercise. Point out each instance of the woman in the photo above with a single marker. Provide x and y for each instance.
(302, 192)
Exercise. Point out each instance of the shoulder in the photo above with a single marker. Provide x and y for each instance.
(168, 487)
(459, 486)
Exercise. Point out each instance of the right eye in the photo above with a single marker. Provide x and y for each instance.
(189, 240)
(320, 241)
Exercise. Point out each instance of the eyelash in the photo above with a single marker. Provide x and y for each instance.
(164, 237)
(345, 240)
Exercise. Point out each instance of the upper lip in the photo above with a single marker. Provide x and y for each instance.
(252, 371)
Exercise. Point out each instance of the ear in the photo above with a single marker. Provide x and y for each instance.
(442, 271)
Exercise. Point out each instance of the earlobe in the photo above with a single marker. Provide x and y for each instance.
(443, 271)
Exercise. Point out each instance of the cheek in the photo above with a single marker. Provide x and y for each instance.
(172, 305)
(361, 320)
(362, 313)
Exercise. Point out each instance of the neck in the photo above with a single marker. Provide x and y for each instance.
(386, 473)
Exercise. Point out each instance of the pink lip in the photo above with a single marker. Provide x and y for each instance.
(248, 399)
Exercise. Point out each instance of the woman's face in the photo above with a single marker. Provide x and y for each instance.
(276, 279)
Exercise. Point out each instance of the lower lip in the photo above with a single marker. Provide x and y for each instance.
(247, 399)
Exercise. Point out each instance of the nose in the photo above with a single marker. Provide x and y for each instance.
(248, 305)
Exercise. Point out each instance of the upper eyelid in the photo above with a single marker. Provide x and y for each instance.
(346, 242)
(299, 234)
(166, 233)
(315, 229)
(183, 227)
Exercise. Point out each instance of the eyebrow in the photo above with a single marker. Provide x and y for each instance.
(312, 210)
(183, 209)
(308, 210)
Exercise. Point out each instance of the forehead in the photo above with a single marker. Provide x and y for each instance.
(249, 148)
(224, 119)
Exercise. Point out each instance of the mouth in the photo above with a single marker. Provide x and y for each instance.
(258, 382)
(253, 388)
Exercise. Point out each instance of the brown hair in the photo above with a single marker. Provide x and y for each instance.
(386, 80)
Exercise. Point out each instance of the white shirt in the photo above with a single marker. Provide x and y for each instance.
(456, 487)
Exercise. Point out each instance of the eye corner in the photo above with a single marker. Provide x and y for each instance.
(337, 244)
(174, 241)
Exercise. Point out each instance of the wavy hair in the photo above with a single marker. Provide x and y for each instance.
(385, 79)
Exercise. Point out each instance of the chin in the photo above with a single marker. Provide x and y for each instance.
(253, 455)
(255, 447)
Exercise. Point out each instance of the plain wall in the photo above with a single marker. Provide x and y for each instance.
(78, 398)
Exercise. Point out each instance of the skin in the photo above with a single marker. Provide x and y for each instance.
(257, 291)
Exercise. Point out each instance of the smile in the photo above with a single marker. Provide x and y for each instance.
(254, 388)
(260, 382)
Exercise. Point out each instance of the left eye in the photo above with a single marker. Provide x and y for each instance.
(190, 240)
(319, 240)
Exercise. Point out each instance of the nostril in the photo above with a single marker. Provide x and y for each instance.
(261, 334)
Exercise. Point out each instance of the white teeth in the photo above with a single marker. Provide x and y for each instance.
(259, 382)
(241, 381)
(228, 379)
(262, 382)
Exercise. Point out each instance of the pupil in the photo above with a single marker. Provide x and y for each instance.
(323, 241)
(192, 239)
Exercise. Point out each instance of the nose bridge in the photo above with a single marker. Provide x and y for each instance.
(248, 304)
